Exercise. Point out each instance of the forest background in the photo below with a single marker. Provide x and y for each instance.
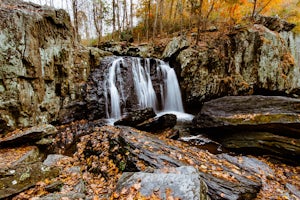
(145, 20)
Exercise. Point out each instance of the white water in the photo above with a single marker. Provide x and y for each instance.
(143, 86)
(114, 71)
(172, 100)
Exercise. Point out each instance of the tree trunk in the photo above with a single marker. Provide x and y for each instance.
(75, 15)
(114, 17)
(160, 16)
(254, 8)
(155, 21)
(97, 18)
(131, 17)
(199, 21)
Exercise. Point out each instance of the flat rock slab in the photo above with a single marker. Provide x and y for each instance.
(12, 157)
(275, 114)
(27, 135)
(182, 182)
(20, 169)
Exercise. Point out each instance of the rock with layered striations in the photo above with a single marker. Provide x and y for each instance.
(269, 124)
(134, 150)
(158, 123)
(270, 113)
(28, 135)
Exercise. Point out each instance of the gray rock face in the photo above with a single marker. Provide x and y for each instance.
(183, 182)
(42, 68)
(174, 47)
(252, 60)
(34, 62)
(268, 124)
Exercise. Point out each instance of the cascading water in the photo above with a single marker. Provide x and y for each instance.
(151, 78)
(143, 84)
(172, 100)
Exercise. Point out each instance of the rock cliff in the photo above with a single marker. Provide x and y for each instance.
(247, 60)
(41, 66)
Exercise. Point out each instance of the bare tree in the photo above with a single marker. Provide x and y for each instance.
(75, 16)
(131, 16)
(97, 18)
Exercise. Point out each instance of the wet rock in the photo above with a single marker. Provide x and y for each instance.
(133, 150)
(257, 143)
(274, 114)
(28, 135)
(182, 182)
(204, 142)
(136, 117)
(158, 123)
(254, 124)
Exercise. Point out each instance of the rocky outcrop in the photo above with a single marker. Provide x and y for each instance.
(42, 68)
(269, 124)
(134, 150)
(250, 60)
(21, 168)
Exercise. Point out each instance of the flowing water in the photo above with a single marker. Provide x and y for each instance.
(144, 74)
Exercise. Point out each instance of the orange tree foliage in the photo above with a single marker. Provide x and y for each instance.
(179, 15)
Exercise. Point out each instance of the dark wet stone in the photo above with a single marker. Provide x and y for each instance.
(136, 117)
(274, 23)
(28, 135)
(158, 123)
(273, 114)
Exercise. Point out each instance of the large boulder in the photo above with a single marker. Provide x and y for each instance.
(250, 60)
(182, 182)
(268, 124)
(270, 113)
(42, 67)
(20, 169)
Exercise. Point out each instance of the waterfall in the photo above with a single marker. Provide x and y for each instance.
(172, 100)
(132, 83)
(143, 84)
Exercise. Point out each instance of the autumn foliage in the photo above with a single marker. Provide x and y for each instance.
(162, 17)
